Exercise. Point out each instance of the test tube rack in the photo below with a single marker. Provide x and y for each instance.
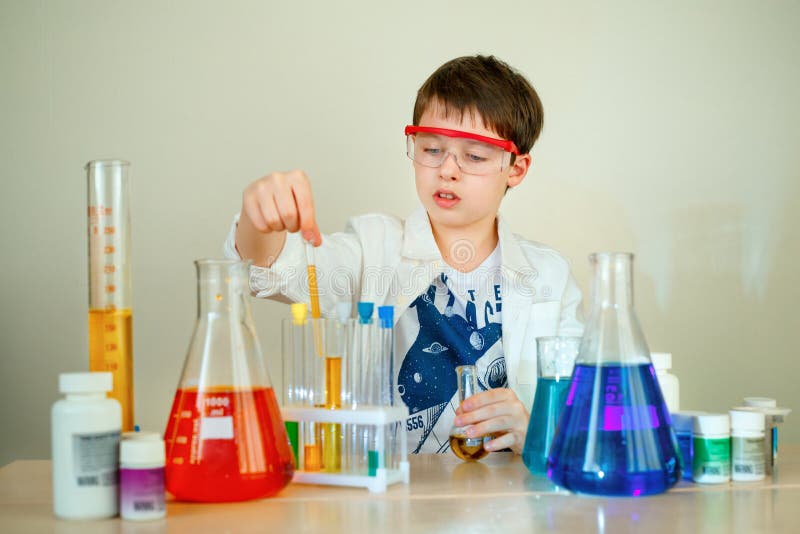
(376, 416)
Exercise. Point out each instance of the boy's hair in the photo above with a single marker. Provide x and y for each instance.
(504, 99)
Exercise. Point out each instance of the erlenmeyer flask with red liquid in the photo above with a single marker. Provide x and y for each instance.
(225, 437)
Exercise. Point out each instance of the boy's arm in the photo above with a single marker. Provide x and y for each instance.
(338, 265)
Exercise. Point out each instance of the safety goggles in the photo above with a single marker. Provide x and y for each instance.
(473, 153)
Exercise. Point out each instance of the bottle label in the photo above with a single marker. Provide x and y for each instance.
(711, 457)
(748, 456)
(141, 492)
(95, 458)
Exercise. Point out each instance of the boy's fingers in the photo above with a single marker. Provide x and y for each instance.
(253, 212)
(287, 209)
(270, 212)
(506, 441)
(305, 208)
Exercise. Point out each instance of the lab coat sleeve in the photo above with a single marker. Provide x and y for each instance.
(571, 320)
(338, 267)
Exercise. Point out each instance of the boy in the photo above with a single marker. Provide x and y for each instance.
(466, 290)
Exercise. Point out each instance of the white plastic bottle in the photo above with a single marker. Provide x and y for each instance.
(670, 387)
(748, 461)
(85, 430)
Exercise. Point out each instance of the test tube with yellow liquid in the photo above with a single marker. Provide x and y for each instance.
(110, 316)
(332, 400)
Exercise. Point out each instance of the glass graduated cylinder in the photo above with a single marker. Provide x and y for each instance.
(615, 436)
(110, 298)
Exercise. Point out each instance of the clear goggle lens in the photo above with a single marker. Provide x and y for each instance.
(471, 156)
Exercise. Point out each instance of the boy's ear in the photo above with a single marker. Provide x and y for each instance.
(518, 170)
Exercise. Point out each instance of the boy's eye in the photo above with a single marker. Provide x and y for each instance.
(432, 150)
(475, 158)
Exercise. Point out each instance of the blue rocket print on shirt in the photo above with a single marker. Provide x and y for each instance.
(427, 377)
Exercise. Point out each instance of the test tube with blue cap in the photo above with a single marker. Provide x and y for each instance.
(362, 351)
(386, 378)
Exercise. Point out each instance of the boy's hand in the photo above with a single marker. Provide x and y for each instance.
(496, 412)
(271, 206)
(282, 201)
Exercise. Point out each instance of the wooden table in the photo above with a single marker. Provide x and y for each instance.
(445, 495)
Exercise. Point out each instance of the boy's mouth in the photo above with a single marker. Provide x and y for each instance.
(445, 199)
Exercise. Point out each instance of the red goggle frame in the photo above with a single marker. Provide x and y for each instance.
(506, 145)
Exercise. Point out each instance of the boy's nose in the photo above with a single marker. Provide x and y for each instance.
(449, 170)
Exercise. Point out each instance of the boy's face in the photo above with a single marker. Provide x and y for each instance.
(454, 199)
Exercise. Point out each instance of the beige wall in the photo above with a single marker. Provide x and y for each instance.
(671, 131)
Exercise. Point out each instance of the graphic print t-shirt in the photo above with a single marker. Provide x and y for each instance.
(457, 321)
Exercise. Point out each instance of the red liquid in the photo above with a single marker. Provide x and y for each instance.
(226, 444)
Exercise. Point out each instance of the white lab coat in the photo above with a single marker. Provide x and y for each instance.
(388, 261)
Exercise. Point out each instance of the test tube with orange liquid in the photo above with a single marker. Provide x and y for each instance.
(332, 376)
(110, 316)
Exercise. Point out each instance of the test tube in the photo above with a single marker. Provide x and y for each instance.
(110, 314)
(334, 335)
(386, 378)
(293, 350)
(345, 328)
(362, 352)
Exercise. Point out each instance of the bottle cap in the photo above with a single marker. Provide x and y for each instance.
(661, 360)
(343, 310)
(747, 420)
(299, 312)
(144, 452)
(712, 424)
(386, 314)
(85, 382)
(141, 435)
(760, 402)
(683, 421)
(365, 312)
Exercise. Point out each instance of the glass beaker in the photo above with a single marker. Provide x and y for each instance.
(614, 436)
(468, 449)
(110, 317)
(225, 436)
(555, 361)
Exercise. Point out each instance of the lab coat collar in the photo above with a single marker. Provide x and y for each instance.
(419, 244)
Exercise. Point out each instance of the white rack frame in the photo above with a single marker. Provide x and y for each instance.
(368, 415)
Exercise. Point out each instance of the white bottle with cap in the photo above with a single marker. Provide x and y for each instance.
(747, 445)
(85, 430)
(670, 387)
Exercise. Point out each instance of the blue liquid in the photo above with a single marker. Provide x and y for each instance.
(615, 435)
(547, 406)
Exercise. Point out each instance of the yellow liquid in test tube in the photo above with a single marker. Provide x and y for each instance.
(332, 432)
(111, 350)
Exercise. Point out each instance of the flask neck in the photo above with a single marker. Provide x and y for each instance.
(467, 381)
(222, 287)
(612, 284)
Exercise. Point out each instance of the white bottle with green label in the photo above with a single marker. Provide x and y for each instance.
(86, 427)
(711, 442)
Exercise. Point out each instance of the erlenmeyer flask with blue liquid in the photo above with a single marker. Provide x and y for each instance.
(614, 436)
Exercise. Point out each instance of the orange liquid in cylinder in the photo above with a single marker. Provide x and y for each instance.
(225, 444)
(111, 349)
